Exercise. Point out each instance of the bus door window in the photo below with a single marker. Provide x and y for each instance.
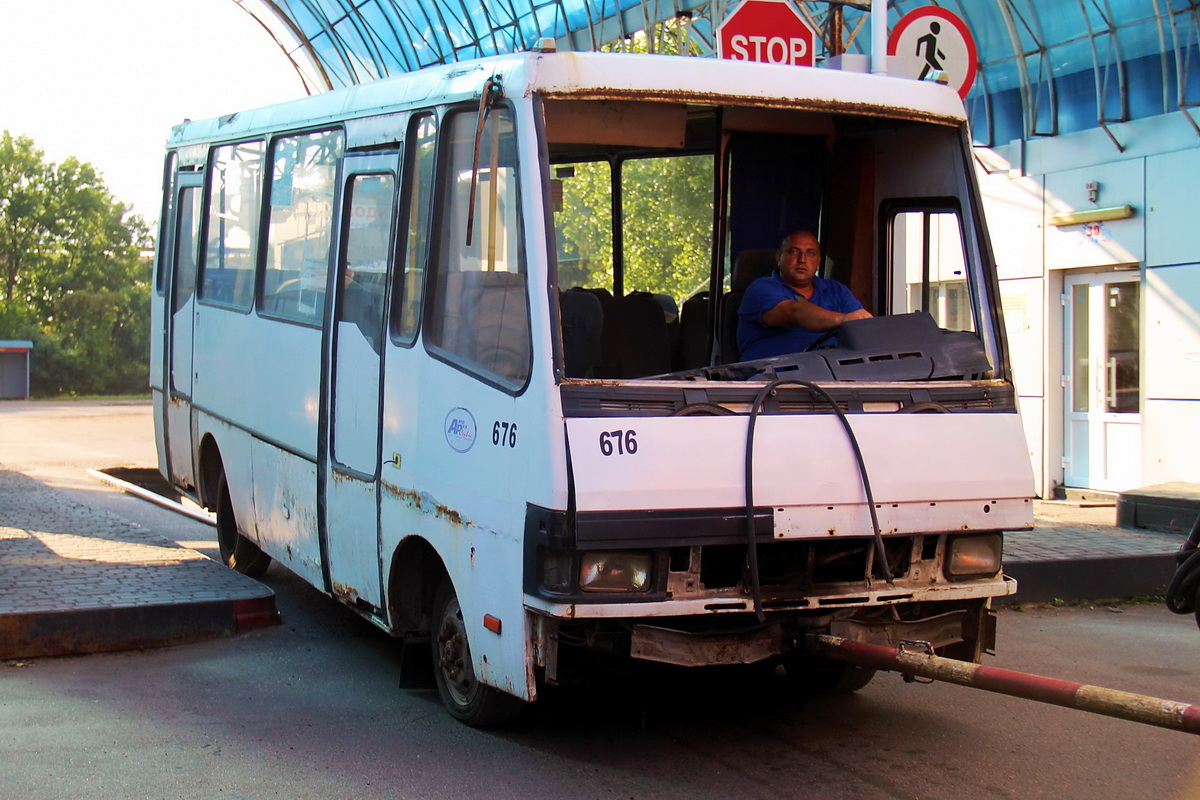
(364, 267)
(928, 268)
(183, 287)
(235, 198)
(186, 248)
(419, 167)
(359, 320)
(479, 317)
(300, 226)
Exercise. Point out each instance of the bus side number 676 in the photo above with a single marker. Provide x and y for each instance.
(620, 442)
(504, 434)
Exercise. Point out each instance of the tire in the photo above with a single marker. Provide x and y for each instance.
(827, 676)
(464, 696)
(237, 552)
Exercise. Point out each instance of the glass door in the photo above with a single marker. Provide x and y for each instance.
(1102, 430)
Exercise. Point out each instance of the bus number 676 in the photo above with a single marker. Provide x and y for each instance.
(625, 442)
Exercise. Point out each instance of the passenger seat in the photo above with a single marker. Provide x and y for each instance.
(582, 317)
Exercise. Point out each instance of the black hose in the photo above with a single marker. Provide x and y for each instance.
(755, 586)
(1182, 594)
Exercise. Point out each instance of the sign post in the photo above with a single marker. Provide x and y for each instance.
(767, 31)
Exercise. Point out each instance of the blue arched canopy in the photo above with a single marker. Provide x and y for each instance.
(1045, 66)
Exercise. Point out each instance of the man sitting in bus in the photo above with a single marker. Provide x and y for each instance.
(789, 309)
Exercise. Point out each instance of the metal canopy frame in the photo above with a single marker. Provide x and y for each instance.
(1035, 55)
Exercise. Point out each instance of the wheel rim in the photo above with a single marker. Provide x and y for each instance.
(454, 656)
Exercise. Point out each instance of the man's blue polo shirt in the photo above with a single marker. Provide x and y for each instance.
(756, 340)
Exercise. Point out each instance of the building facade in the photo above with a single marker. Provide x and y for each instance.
(1099, 256)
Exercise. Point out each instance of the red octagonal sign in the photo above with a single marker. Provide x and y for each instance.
(770, 31)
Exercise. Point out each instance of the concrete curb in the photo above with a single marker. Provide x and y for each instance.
(1084, 561)
(100, 630)
(1098, 578)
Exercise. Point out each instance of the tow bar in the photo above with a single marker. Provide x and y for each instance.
(1098, 700)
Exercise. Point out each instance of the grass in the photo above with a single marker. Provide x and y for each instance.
(1102, 602)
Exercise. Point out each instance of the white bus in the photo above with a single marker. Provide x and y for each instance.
(456, 348)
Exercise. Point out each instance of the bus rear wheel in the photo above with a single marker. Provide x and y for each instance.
(237, 552)
(463, 694)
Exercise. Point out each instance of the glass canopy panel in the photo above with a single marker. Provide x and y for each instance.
(1115, 59)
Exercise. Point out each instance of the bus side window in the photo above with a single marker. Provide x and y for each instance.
(234, 200)
(166, 212)
(928, 268)
(300, 227)
(480, 309)
(418, 167)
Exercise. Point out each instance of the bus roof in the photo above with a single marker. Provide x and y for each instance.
(597, 76)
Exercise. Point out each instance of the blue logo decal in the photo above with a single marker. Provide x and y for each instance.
(460, 429)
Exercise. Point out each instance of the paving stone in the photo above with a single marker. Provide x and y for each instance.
(59, 555)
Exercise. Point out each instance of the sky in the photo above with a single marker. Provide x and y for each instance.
(106, 81)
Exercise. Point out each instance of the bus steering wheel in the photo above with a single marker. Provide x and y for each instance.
(822, 339)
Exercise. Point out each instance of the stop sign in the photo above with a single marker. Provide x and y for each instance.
(770, 31)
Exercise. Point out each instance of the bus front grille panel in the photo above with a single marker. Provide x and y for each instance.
(804, 565)
(610, 399)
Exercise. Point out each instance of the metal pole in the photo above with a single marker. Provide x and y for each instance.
(1095, 699)
(879, 37)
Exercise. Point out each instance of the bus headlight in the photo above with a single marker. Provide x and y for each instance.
(614, 572)
(973, 556)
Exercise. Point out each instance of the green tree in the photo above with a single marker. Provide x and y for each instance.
(75, 281)
(668, 224)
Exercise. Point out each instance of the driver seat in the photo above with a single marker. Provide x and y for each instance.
(748, 266)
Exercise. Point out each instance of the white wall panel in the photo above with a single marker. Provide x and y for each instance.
(1025, 324)
(1169, 441)
(1171, 343)
(1106, 243)
(1013, 207)
(1172, 232)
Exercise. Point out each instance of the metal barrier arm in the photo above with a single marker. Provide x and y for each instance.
(1098, 700)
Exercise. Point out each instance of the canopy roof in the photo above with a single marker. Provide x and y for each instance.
(1046, 66)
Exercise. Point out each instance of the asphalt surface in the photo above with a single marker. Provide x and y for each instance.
(75, 577)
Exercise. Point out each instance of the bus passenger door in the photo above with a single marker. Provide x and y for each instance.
(352, 462)
(184, 255)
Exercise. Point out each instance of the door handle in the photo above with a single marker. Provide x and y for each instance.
(1110, 401)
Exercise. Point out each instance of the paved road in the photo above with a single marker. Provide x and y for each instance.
(311, 709)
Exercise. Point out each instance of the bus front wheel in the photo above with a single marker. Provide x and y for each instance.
(237, 552)
(466, 698)
(811, 675)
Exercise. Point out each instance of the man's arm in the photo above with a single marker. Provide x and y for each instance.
(809, 316)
